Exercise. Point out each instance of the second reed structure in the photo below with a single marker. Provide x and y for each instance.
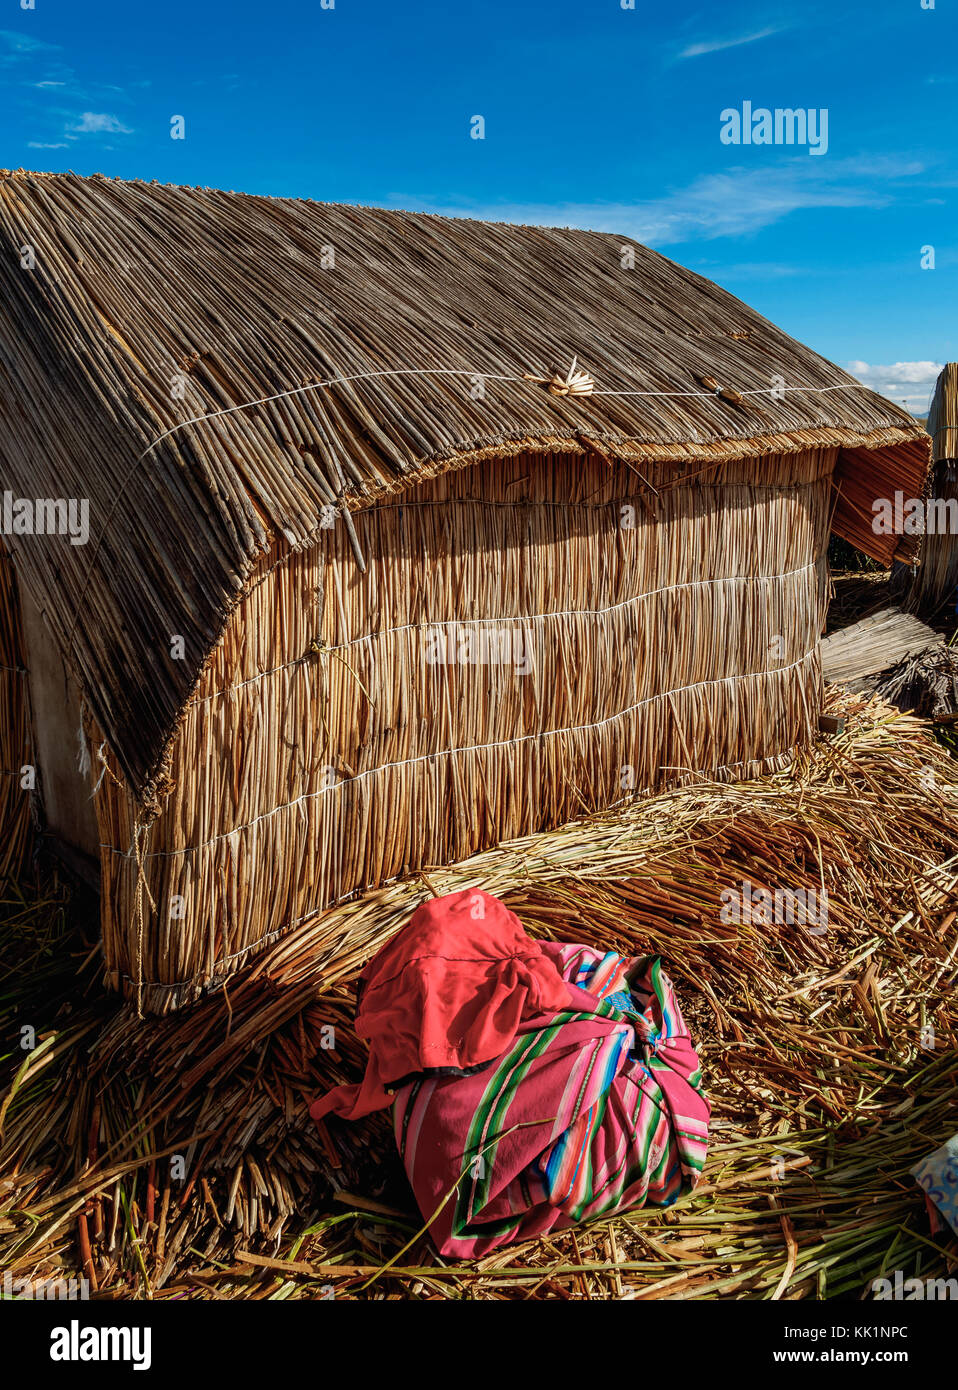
(937, 586)
(375, 575)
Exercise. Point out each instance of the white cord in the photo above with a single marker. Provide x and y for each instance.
(469, 748)
(428, 624)
(479, 376)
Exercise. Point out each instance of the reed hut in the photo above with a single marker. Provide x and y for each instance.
(937, 584)
(407, 535)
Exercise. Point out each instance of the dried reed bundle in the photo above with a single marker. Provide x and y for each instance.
(926, 683)
(874, 644)
(816, 1049)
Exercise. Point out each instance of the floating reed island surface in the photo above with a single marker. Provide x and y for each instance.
(334, 459)
(174, 1158)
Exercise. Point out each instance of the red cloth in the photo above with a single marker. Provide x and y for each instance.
(450, 991)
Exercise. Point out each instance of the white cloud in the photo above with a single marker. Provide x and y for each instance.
(44, 145)
(696, 50)
(736, 203)
(747, 270)
(98, 123)
(908, 383)
(24, 43)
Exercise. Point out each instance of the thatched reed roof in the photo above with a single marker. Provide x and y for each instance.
(943, 415)
(133, 285)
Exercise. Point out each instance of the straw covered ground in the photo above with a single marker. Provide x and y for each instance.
(174, 1158)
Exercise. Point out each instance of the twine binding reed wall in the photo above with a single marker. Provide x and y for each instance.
(432, 762)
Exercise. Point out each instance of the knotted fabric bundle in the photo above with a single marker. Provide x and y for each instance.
(536, 1085)
(446, 995)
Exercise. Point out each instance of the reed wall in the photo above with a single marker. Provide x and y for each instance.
(936, 587)
(598, 634)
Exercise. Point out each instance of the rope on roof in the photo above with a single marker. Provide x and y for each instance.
(576, 383)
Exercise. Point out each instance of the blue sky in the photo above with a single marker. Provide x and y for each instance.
(595, 115)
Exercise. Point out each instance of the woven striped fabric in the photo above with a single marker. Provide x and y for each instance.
(590, 1111)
